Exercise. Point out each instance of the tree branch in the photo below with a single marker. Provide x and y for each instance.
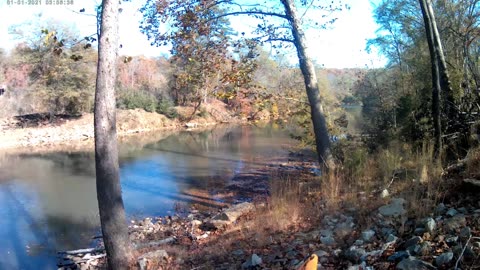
(251, 13)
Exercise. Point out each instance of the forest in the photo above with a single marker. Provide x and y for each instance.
(416, 143)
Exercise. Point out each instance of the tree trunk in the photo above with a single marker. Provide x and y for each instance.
(322, 139)
(444, 78)
(109, 193)
(435, 78)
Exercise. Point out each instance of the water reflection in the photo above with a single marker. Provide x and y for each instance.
(49, 200)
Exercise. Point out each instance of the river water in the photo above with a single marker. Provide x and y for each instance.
(48, 201)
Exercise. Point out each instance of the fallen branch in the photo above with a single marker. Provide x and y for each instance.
(463, 251)
(80, 251)
(457, 166)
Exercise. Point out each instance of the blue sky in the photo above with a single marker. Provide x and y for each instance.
(339, 47)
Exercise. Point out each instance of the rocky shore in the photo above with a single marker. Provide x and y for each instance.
(355, 237)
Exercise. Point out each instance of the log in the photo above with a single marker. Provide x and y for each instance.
(80, 251)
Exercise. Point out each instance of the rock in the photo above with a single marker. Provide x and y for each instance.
(398, 256)
(354, 254)
(440, 209)
(368, 235)
(142, 263)
(412, 241)
(455, 223)
(392, 238)
(424, 248)
(444, 258)
(238, 252)
(233, 213)
(384, 193)
(252, 262)
(327, 240)
(412, 263)
(452, 212)
(326, 233)
(358, 242)
(147, 222)
(321, 253)
(84, 266)
(218, 224)
(362, 266)
(419, 231)
(465, 233)
(395, 208)
(196, 222)
(157, 255)
(430, 225)
(452, 240)
(343, 229)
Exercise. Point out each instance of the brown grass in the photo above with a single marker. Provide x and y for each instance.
(473, 163)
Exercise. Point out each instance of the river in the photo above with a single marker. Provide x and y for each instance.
(48, 200)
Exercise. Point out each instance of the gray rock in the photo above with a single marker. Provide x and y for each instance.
(412, 263)
(440, 209)
(326, 233)
(398, 256)
(455, 223)
(391, 238)
(354, 254)
(362, 266)
(238, 252)
(419, 231)
(343, 229)
(158, 255)
(444, 258)
(465, 233)
(252, 262)
(412, 241)
(424, 248)
(368, 235)
(451, 240)
(327, 240)
(395, 208)
(231, 214)
(430, 225)
(321, 253)
(358, 242)
(452, 212)
(413, 249)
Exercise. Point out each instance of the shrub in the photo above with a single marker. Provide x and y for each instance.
(166, 107)
(137, 99)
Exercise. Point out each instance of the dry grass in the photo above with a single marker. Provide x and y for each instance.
(473, 163)
(411, 174)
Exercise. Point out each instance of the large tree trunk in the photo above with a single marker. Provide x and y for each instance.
(435, 77)
(109, 193)
(319, 125)
(444, 78)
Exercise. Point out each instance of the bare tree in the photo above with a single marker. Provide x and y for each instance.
(322, 141)
(109, 193)
(279, 22)
(435, 69)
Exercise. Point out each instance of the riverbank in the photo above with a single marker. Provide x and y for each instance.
(286, 216)
(27, 133)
